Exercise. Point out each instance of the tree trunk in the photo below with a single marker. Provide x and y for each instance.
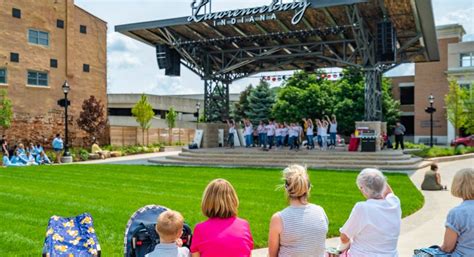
(143, 136)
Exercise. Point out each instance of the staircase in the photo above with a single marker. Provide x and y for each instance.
(332, 159)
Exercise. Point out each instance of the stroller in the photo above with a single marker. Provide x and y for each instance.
(140, 234)
(73, 236)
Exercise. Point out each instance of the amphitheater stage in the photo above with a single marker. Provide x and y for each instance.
(336, 159)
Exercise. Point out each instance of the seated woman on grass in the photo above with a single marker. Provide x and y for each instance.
(223, 234)
(300, 229)
(373, 226)
(459, 235)
(432, 180)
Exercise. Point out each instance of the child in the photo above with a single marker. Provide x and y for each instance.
(169, 226)
(232, 132)
(42, 158)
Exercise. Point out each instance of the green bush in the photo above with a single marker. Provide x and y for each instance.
(134, 149)
(410, 145)
(437, 151)
(84, 154)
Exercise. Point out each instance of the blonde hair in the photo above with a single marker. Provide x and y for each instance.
(297, 183)
(169, 224)
(219, 200)
(463, 184)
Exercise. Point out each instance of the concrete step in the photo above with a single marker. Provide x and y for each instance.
(405, 168)
(276, 155)
(287, 152)
(291, 160)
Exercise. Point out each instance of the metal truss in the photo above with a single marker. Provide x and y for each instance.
(216, 100)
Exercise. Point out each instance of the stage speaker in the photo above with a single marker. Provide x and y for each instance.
(385, 42)
(174, 62)
(162, 53)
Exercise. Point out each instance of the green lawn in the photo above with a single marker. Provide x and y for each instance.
(111, 193)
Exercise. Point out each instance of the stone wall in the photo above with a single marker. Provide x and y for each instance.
(210, 137)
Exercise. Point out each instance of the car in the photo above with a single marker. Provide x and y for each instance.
(463, 141)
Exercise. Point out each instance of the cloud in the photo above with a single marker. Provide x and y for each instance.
(120, 43)
(462, 16)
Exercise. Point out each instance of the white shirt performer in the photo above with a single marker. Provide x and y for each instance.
(373, 225)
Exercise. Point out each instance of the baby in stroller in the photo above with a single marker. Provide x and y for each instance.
(169, 227)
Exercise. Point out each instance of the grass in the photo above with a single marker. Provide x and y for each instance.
(111, 193)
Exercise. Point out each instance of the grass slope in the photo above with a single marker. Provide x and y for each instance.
(111, 193)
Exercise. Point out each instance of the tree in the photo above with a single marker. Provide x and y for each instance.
(6, 112)
(243, 104)
(469, 105)
(143, 113)
(171, 116)
(260, 101)
(455, 105)
(92, 119)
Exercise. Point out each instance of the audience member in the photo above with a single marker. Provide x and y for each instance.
(432, 180)
(42, 158)
(223, 234)
(399, 132)
(300, 229)
(58, 147)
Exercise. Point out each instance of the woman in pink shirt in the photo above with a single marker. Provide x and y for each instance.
(223, 234)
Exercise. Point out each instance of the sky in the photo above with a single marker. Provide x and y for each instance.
(132, 66)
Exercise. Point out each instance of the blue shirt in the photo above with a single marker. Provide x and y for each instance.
(57, 143)
(461, 220)
(169, 250)
(38, 150)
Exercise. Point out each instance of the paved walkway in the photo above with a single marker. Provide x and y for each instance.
(139, 159)
(425, 227)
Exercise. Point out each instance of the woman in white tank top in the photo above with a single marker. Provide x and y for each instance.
(300, 229)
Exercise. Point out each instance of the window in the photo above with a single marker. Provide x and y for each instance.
(36, 78)
(409, 123)
(14, 57)
(3, 76)
(467, 60)
(53, 63)
(16, 13)
(60, 24)
(83, 29)
(407, 95)
(85, 68)
(38, 37)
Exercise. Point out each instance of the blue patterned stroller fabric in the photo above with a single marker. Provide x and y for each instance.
(71, 237)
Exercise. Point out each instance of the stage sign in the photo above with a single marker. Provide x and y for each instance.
(248, 15)
(198, 137)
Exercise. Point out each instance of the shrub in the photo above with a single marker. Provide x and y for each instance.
(84, 154)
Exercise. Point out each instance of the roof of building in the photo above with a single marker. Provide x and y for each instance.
(90, 14)
(326, 36)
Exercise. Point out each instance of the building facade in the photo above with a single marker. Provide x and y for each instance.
(456, 62)
(45, 43)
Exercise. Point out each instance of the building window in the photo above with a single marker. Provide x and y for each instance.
(85, 68)
(16, 13)
(409, 123)
(53, 63)
(467, 60)
(83, 29)
(3, 76)
(407, 95)
(14, 57)
(36, 78)
(60, 24)
(38, 37)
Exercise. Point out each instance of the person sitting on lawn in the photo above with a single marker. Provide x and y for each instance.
(21, 149)
(42, 158)
(223, 234)
(95, 149)
(459, 234)
(300, 229)
(32, 149)
(30, 160)
(38, 149)
(7, 163)
(432, 180)
(169, 226)
(373, 226)
(15, 159)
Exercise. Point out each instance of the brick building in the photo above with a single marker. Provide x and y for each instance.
(457, 62)
(45, 43)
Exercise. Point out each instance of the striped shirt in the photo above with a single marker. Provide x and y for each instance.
(304, 231)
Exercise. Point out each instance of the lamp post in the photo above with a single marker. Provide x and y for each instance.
(198, 106)
(66, 90)
(431, 110)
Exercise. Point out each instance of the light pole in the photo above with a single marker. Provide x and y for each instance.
(431, 110)
(66, 90)
(198, 106)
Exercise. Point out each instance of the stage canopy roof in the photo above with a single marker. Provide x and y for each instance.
(229, 45)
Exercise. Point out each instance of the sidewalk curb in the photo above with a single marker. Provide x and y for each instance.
(451, 158)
